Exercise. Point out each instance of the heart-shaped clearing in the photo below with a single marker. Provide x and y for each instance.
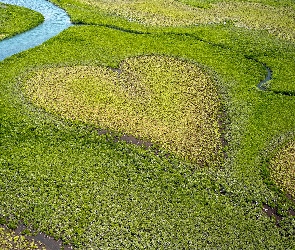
(162, 99)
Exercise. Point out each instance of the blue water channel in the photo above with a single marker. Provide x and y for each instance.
(55, 21)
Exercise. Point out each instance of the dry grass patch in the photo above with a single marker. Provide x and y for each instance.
(283, 168)
(162, 99)
(277, 20)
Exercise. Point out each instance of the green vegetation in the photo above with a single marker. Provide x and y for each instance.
(284, 76)
(59, 176)
(16, 20)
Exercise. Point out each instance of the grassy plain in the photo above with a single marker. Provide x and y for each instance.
(15, 19)
(61, 177)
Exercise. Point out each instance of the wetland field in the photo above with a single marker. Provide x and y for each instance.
(160, 124)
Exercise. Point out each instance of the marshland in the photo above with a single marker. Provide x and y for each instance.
(206, 86)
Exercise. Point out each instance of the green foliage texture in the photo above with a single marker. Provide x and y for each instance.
(59, 176)
(15, 19)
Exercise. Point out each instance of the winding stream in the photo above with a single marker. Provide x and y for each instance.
(55, 21)
(268, 77)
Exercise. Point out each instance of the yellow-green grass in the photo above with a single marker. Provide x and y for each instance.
(15, 19)
(10, 241)
(168, 101)
(283, 168)
(277, 20)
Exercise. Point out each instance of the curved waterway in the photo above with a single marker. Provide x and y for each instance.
(55, 21)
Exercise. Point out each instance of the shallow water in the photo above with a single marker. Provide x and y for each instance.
(268, 77)
(56, 20)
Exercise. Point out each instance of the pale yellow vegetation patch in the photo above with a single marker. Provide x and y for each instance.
(283, 168)
(2, 36)
(162, 99)
(277, 20)
(9, 241)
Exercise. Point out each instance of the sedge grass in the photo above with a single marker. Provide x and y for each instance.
(66, 180)
(15, 19)
(63, 179)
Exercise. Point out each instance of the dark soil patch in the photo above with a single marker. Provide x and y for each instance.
(272, 212)
(127, 138)
(42, 240)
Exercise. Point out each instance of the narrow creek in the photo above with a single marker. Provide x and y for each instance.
(55, 21)
(268, 77)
